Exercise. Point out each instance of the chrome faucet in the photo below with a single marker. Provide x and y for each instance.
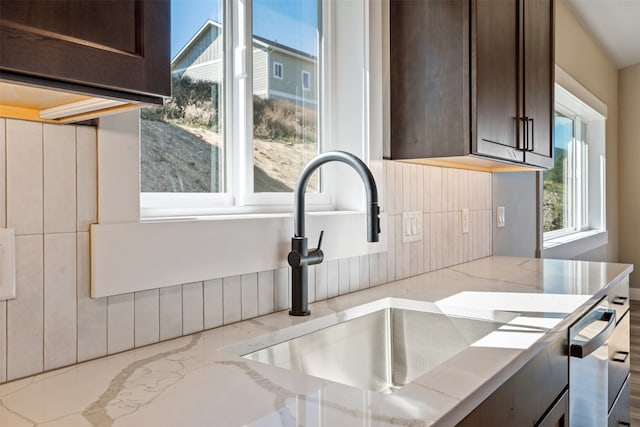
(300, 257)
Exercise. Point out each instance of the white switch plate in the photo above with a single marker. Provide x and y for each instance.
(500, 219)
(411, 227)
(465, 221)
(7, 263)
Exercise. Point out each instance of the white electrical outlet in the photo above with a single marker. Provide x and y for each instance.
(500, 219)
(7, 264)
(465, 221)
(411, 227)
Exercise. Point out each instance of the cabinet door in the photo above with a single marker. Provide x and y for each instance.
(538, 80)
(429, 70)
(558, 416)
(113, 45)
(496, 77)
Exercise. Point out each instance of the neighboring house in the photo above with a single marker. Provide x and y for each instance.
(279, 72)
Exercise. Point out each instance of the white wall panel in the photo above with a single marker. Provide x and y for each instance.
(60, 337)
(120, 323)
(24, 177)
(192, 308)
(59, 148)
(265, 292)
(213, 311)
(25, 313)
(87, 177)
(146, 317)
(92, 313)
(170, 312)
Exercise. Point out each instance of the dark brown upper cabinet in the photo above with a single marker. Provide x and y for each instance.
(472, 82)
(115, 50)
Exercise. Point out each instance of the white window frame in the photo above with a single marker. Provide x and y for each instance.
(589, 230)
(131, 253)
(308, 86)
(276, 66)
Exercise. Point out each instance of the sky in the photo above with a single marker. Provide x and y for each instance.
(289, 22)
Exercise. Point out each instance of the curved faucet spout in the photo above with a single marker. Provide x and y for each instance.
(373, 210)
(301, 256)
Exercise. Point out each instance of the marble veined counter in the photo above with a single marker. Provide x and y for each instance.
(190, 381)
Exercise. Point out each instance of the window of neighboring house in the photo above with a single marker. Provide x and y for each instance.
(574, 190)
(277, 70)
(227, 139)
(306, 80)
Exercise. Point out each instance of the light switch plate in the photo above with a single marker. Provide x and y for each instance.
(500, 219)
(7, 263)
(411, 227)
(465, 221)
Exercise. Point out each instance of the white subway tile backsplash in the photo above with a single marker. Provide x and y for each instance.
(354, 274)
(383, 272)
(398, 190)
(374, 270)
(92, 313)
(399, 249)
(249, 295)
(265, 292)
(343, 276)
(87, 177)
(311, 290)
(192, 308)
(24, 177)
(407, 190)
(60, 321)
(3, 341)
(171, 312)
(390, 189)
(59, 154)
(426, 242)
(365, 273)
(120, 323)
(391, 244)
(147, 317)
(232, 299)
(25, 314)
(435, 189)
(282, 280)
(321, 281)
(333, 278)
(213, 312)
(3, 176)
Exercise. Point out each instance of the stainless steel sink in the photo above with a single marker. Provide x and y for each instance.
(380, 346)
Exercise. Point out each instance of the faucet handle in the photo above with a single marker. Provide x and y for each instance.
(320, 240)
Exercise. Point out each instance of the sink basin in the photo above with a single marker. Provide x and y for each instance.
(380, 346)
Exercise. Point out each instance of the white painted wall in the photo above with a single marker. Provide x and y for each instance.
(629, 172)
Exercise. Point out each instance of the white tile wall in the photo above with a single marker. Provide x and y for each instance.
(59, 155)
(24, 177)
(54, 322)
(212, 292)
(120, 323)
(60, 338)
(3, 210)
(146, 317)
(92, 313)
(192, 308)
(25, 337)
(171, 312)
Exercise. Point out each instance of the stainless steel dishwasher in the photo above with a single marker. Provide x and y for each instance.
(599, 363)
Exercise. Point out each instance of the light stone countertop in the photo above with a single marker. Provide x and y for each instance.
(189, 382)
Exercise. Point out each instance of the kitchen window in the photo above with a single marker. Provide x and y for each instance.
(573, 192)
(233, 137)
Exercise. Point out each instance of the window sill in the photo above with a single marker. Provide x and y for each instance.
(151, 254)
(573, 245)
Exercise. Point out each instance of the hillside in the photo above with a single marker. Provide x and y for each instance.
(178, 159)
